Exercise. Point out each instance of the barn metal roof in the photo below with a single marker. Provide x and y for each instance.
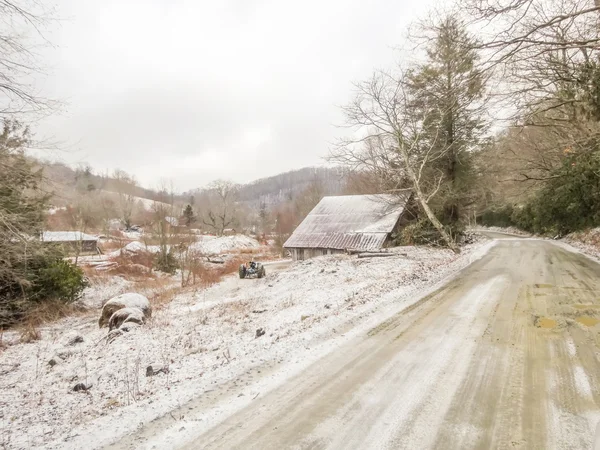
(67, 236)
(350, 221)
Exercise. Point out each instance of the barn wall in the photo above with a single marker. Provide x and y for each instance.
(300, 254)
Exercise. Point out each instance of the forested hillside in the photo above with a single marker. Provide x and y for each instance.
(288, 185)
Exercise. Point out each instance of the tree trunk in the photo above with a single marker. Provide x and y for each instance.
(436, 223)
(430, 215)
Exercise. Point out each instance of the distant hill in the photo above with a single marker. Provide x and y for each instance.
(69, 183)
(286, 186)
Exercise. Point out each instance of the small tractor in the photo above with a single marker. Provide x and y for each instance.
(252, 269)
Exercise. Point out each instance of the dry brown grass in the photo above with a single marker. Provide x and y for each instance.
(261, 253)
(206, 276)
(46, 312)
(160, 291)
(30, 333)
(589, 237)
(132, 267)
(232, 312)
(131, 271)
(141, 258)
(51, 311)
(212, 274)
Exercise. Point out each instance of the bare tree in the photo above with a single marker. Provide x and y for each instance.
(545, 58)
(309, 197)
(108, 212)
(221, 213)
(82, 216)
(393, 141)
(537, 49)
(21, 35)
(164, 230)
(127, 201)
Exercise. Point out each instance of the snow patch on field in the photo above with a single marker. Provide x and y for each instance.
(224, 244)
(206, 338)
(103, 289)
(207, 245)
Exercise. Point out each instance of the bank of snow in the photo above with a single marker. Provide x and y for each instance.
(504, 230)
(205, 338)
(587, 241)
(209, 245)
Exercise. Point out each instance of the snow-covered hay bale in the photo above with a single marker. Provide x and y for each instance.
(126, 315)
(128, 300)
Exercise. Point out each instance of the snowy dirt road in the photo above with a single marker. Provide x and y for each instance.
(504, 356)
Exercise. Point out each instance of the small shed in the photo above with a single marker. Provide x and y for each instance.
(72, 241)
(349, 222)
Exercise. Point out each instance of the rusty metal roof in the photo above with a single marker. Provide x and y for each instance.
(350, 221)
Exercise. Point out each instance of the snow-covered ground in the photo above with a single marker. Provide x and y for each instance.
(587, 241)
(205, 338)
(206, 245)
(145, 203)
(505, 230)
(211, 245)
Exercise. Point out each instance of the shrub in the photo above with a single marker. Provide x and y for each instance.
(423, 232)
(60, 280)
(49, 279)
(166, 262)
(31, 271)
(570, 199)
(497, 217)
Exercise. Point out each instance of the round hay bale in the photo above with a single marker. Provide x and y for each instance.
(128, 300)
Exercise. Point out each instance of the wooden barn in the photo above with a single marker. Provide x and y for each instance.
(349, 222)
(72, 242)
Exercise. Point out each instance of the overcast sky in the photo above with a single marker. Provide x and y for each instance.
(194, 90)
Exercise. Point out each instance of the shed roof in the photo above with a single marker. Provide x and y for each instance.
(350, 221)
(67, 236)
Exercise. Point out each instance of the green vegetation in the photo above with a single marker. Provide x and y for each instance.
(59, 280)
(30, 271)
(568, 201)
(166, 262)
(422, 232)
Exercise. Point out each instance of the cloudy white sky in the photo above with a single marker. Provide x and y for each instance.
(193, 90)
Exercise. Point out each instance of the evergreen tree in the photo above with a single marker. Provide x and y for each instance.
(189, 216)
(263, 215)
(448, 92)
(30, 270)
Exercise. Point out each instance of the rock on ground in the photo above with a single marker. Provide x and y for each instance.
(155, 369)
